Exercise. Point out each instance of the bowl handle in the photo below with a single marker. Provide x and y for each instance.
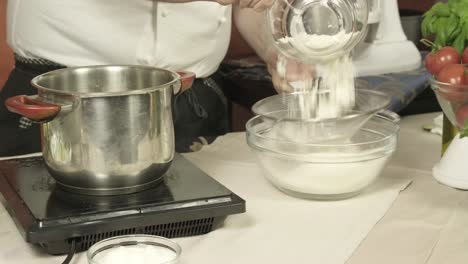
(32, 108)
(389, 115)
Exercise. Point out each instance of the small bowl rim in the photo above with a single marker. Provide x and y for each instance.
(351, 159)
(315, 120)
(395, 133)
(438, 86)
(159, 240)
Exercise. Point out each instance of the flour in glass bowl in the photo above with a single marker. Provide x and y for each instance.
(322, 174)
(135, 254)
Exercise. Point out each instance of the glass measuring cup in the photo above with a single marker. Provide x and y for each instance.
(317, 30)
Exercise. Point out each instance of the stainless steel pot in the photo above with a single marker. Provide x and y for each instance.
(105, 129)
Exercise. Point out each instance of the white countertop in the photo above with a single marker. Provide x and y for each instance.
(427, 223)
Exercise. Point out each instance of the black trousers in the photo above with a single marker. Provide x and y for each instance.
(199, 112)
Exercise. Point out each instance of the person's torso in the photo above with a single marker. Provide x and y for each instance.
(190, 36)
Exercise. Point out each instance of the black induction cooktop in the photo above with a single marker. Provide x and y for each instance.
(187, 202)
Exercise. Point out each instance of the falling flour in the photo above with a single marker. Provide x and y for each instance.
(330, 94)
(337, 78)
(136, 254)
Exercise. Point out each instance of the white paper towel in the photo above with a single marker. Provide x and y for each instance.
(275, 229)
(437, 125)
(278, 228)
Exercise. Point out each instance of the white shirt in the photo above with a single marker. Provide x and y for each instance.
(191, 36)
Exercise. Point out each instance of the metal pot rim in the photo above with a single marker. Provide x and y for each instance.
(36, 79)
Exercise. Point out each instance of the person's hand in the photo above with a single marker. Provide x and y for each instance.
(257, 5)
(289, 75)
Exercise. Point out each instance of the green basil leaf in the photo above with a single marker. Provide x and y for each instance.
(439, 42)
(465, 30)
(455, 4)
(459, 8)
(451, 27)
(458, 30)
(459, 43)
(438, 9)
(431, 26)
(463, 12)
(441, 10)
(464, 131)
(425, 26)
(441, 36)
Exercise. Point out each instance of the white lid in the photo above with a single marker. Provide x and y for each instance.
(452, 169)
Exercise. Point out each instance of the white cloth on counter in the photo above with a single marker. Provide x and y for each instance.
(275, 229)
(278, 228)
(437, 125)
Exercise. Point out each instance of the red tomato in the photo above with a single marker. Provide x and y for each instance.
(429, 62)
(462, 115)
(452, 74)
(465, 56)
(454, 77)
(435, 62)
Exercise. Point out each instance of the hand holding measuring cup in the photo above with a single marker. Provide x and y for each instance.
(286, 72)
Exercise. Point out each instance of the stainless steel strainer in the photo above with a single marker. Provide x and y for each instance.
(284, 113)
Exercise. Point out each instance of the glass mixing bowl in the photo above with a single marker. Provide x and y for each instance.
(285, 113)
(453, 99)
(315, 30)
(324, 171)
(131, 249)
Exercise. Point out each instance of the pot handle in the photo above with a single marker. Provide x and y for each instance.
(186, 81)
(32, 108)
